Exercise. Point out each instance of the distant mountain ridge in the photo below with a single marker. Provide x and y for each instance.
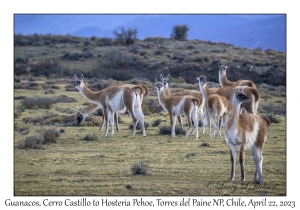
(267, 33)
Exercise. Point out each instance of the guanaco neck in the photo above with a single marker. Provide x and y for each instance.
(204, 90)
(223, 80)
(167, 90)
(90, 95)
(162, 99)
(234, 119)
(90, 108)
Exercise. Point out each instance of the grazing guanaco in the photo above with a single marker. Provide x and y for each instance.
(83, 112)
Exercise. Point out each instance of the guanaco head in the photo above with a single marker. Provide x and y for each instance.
(80, 116)
(78, 82)
(202, 79)
(165, 80)
(240, 96)
(159, 85)
(222, 69)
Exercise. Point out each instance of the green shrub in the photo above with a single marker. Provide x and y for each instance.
(156, 122)
(24, 130)
(139, 168)
(105, 42)
(138, 126)
(46, 136)
(32, 142)
(188, 155)
(126, 36)
(50, 135)
(38, 102)
(272, 117)
(20, 69)
(166, 130)
(179, 32)
(90, 137)
(45, 67)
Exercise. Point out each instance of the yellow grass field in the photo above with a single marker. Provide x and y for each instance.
(102, 167)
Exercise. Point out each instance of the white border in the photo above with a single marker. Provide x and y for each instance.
(154, 6)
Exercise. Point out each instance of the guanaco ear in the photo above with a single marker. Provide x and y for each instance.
(198, 78)
(155, 81)
(79, 108)
(75, 77)
(82, 77)
(168, 76)
(161, 77)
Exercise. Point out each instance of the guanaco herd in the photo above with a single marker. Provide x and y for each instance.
(232, 106)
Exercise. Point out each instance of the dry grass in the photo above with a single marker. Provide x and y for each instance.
(103, 165)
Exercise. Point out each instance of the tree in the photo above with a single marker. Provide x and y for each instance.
(126, 37)
(179, 32)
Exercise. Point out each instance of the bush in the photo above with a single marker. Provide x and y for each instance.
(49, 91)
(272, 118)
(90, 137)
(32, 142)
(16, 114)
(138, 126)
(45, 67)
(37, 102)
(24, 130)
(115, 59)
(46, 136)
(53, 119)
(50, 135)
(126, 37)
(166, 130)
(156, 122)
(179, 32)
(72, 56)
(188, 155)
(139, 168)
(20, 70)
(105, 42)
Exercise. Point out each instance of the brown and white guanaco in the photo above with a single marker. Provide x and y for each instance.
(179, 105)
(115, 99)
(246, 130)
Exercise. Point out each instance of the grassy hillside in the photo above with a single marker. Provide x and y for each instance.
(79, 160)
(60, 56)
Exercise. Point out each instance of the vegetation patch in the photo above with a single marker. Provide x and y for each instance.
(166, 130)
(51, 135)
(138, 126)
(32, 142)
(193, 153)
(38, 102)
(273, 118)
(65, 99)
(156, 123)
(90, 137)
(139, 168)
(46, 136)
(52, 119)
(24, 130)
